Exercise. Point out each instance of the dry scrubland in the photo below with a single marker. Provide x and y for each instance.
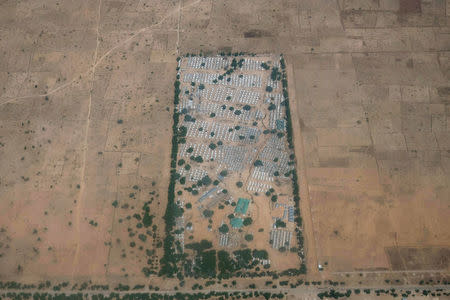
(86, 97)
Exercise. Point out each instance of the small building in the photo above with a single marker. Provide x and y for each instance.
(280, 123)
(236, 222)
(242, 206)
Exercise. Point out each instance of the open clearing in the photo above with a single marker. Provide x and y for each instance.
(86, 102)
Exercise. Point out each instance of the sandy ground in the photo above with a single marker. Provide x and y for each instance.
(371, 82)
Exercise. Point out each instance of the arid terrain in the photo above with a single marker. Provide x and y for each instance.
(86, 105)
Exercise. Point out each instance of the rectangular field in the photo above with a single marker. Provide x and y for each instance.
(235, 170)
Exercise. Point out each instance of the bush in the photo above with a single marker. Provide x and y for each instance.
(208, 213)
(224, 229)
(258, 163)
(239, 184)
(188, 205)
(269, 89)
(247, 221)
(206, 180)
(249, 237)
(280, 223)
(261, 254)
(275, 74)
(265, 66)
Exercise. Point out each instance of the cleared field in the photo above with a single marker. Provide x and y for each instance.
(84, 144)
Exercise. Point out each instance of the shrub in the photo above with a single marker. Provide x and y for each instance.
(208, 213)
(206, 180)
(224, 228)
(258, 163)
(247, 221)
(280, 224)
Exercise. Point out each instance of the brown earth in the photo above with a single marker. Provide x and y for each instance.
(370, 81)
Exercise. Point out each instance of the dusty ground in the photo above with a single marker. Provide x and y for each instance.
(371, 84)
(82, 124)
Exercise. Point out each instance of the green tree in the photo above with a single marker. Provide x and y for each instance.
(247, 221)
(208, 213)
(258, 163)
(224, 228)
(280, 224)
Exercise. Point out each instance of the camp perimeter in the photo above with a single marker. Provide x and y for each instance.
(233, 199)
